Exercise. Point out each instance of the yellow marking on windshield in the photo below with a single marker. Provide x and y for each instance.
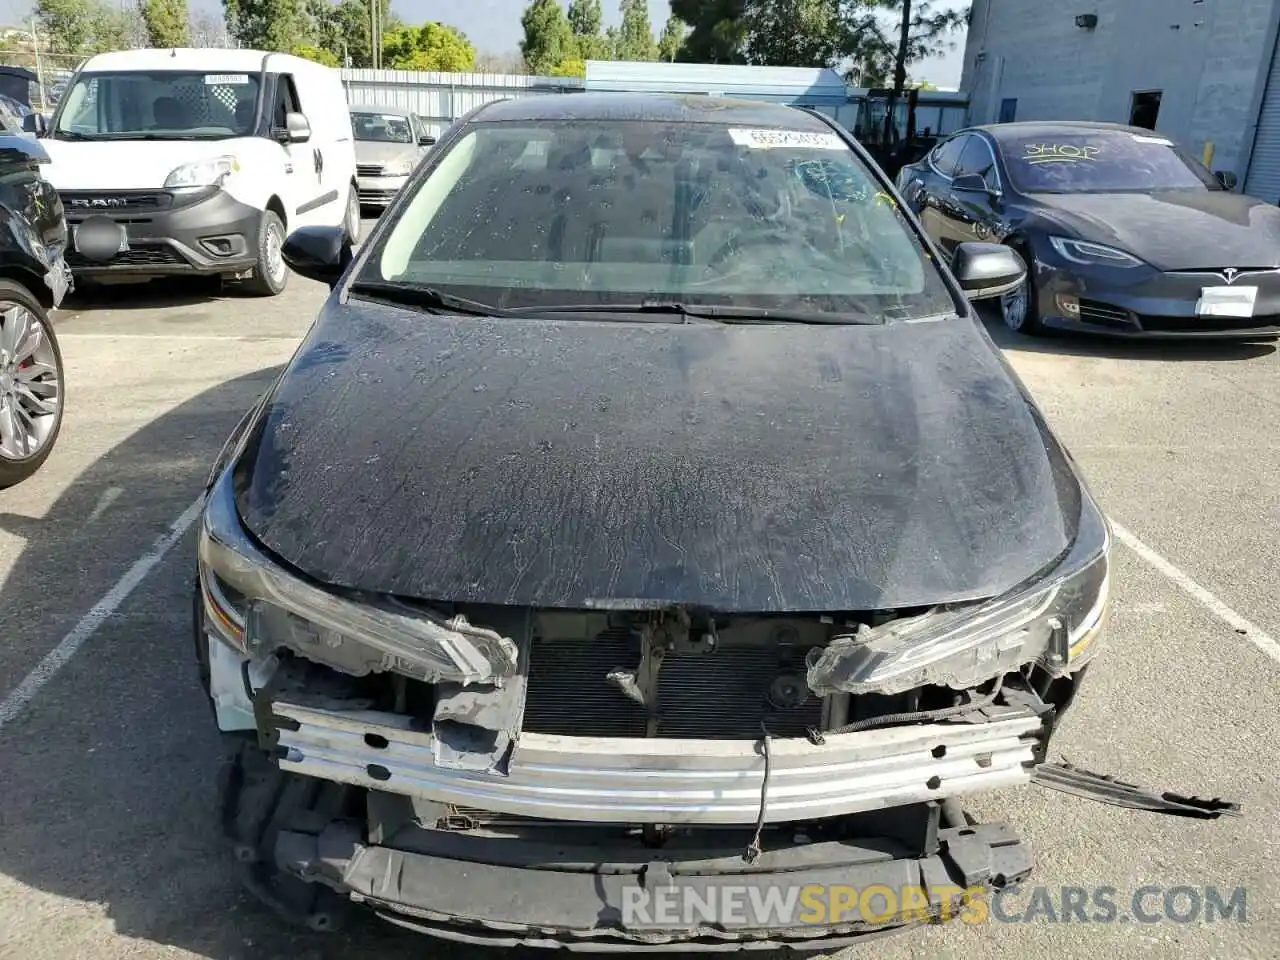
(1037, 153)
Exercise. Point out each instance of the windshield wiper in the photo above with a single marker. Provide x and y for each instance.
(73, 135)
(702, 311)
(426, 298)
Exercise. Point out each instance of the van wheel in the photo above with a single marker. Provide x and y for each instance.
(31, 384)
(352, 224)
(271, 274)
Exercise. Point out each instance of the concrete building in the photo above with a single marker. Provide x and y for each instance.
(1203, 72)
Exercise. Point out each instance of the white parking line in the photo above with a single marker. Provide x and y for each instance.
(57, 658)
(252, 337)
(1247, 629)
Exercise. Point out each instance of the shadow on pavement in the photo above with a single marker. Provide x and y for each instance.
(1086, 345)
(153, 294)
(109, 774)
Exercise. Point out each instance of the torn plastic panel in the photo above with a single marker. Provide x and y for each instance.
(1053, 622)
(356, 637)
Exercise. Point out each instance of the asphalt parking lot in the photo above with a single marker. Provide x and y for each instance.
(108, 840)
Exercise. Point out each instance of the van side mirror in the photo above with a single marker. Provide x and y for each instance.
(35, 123)
(1228, 179)
(296, 129)
(318, 253)
(986, 270)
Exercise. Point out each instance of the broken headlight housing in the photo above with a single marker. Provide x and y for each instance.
(1053, 622)
(256, 606)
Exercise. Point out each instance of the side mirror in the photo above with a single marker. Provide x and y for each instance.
(986, 270)
(426, 140)
(970, 183)
(35, 123)
(1228, 179)
(318, 253)
(296, 129)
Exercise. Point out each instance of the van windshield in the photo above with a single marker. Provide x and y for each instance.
(158, 105)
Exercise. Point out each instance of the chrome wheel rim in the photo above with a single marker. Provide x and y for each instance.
(30, 383)
(1013, 306)
(274, 254)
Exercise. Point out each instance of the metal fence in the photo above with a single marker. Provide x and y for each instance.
(440, 98)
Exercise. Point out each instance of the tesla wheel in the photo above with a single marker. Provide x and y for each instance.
(31, 385)
(1018, 308)
(272, 274)
(352, 223)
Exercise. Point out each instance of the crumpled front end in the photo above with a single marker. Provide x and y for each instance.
(630, 778)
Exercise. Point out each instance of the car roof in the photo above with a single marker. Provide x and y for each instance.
(380, 109)
(665, 107)
(202, 58)
(1019, 129)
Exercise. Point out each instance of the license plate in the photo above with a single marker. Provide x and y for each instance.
(119, 237)
(1226, 301)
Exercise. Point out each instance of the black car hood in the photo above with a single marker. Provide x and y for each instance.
(586, 464)
(1173, 229)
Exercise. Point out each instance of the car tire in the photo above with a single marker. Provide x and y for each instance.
(352, 221)
(27, 382)
(271, 275)
(1024, 316)
(258, 801)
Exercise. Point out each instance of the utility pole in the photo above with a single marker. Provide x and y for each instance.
(375, 33)
(35, 47)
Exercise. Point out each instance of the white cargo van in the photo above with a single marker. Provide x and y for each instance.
(200, 162)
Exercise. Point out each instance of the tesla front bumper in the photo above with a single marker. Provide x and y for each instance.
(1145, 302)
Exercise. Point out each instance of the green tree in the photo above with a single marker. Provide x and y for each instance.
(319, 54)
(716, 30)
(548, 38)
(922, 30)
(267, 24)
(793, 33)
(585, 17)
(672, 38)
(635, 35)
(432, 47)
(82, 26)
(569, 68)
(168, 22)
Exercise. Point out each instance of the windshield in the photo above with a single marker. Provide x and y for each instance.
(159, 105)
(1108, 161)
(593, 213)
(381, 127)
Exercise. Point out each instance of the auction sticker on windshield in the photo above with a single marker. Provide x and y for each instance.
(217, 79)
(768, 139)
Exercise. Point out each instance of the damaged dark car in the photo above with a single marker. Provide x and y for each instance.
(646, 509)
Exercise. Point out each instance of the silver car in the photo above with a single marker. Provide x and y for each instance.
(389, 143)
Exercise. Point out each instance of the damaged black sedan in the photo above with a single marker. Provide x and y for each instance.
(646, 511)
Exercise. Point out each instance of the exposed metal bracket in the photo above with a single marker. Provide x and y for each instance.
(1105, 789)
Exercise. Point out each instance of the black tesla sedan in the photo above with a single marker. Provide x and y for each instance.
(1125, 233)
(646, 506)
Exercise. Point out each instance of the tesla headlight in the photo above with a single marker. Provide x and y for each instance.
(258, 607)
(400, 168)
(202, 173)
(1093, 254)
(1054, 622)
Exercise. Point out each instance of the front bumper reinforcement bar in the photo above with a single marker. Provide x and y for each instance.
(620, 780)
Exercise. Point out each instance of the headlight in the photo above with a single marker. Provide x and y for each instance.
(1094, 254)
(400, 168)
(258, 607)
(202, 173)
(1054, 623)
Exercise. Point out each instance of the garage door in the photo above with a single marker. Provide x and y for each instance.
(1263, 180)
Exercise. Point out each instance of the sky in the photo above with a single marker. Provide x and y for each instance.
(494, 26)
